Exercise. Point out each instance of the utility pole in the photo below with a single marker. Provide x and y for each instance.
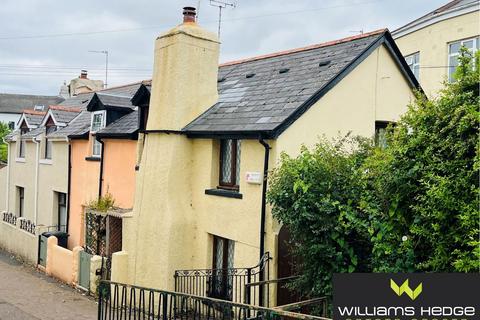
(221, 5)
(105, 52)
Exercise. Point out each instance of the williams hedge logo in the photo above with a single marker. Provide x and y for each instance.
(405, 288)
(412, 296)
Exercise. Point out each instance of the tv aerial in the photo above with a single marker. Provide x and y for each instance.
(222, 4)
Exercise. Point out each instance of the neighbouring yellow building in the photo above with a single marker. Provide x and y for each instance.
(432, 42)
(214, 132)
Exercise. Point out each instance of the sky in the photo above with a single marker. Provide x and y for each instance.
(46, 42)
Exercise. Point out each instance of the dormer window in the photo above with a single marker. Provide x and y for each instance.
(49, 128)
(21, 145)
(98, 122)
(229, 164)
(39, 108)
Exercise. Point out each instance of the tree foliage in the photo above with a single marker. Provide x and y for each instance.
(4, 130)
(410, 206)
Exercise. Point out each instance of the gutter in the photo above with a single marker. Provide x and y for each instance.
(100, 177)
(263, 213)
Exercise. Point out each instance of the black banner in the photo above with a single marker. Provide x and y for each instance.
(419, 296)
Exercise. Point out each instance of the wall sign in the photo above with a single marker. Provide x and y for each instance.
(408, 296)
(254, 177)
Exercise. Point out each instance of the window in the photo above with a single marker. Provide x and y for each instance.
(62, 212)
(221, 283)
(48, 144)
(98, 122)
(413, 62)
(20, 201)
(454, 51)
(229, 164)
(39, 107)
(380, 133)
(22, 144)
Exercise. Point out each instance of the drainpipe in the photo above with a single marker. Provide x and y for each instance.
(37, 160)
(263, 213)
(264, 196)
(69, 183)
(100, 177)
(9, 169)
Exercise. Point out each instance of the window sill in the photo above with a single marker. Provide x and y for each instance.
(45, 161)
(20, 160)
(93, 158)
(224, 193)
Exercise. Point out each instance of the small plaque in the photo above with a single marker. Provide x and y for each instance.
(254, 177)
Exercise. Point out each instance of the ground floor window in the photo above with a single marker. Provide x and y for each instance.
(62, 211)
(20, 201)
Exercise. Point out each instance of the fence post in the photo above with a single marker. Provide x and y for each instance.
(248, 288)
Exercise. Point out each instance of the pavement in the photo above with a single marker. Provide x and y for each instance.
(26, 293)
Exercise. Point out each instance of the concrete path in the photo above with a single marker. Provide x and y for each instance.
(27, 294)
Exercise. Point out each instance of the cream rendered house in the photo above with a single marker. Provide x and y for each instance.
(36, 181)
(431, 43)
(213, 133)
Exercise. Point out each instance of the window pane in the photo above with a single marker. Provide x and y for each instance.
(97, 148)
(468, 44)
(226, 150)
(48, 149)
(237, 173)
(97, 122)
(455, 47)
(452, 66)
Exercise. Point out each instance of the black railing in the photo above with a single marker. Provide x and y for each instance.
(122, 301)
(226, 284)
(27, 225)
(10, 218)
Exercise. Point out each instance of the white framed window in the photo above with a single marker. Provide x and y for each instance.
(98, 121)
(413, 61)
(97, 148)
(48, 143)
(471, 44)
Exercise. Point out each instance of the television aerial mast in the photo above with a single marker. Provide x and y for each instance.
(221, 4)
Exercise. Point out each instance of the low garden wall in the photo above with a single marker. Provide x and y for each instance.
(62, 263)
(18, 239)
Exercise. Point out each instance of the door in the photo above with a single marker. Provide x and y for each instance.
(222, 277)
(42, 251)
(84, 272)
(287, 267)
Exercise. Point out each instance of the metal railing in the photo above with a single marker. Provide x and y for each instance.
(27, 225)
(226, 284)
(10, 218)
(122, 301)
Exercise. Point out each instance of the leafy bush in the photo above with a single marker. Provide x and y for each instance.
(4, 130)
(411, 206)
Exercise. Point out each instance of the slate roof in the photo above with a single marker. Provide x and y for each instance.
(16, 103)
(80, 126)
(65, 116)
(455, 7)
(264, 95)
(125, 126)
(110, 101)
(34, 118)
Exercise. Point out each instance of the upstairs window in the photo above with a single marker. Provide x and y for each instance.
(22, 145)
(471, 44)
(98, 122)
(48, 144)
(413, 62)
(229, 164)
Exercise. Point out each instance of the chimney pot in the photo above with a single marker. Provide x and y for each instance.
(83, 74)
(189, 14)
